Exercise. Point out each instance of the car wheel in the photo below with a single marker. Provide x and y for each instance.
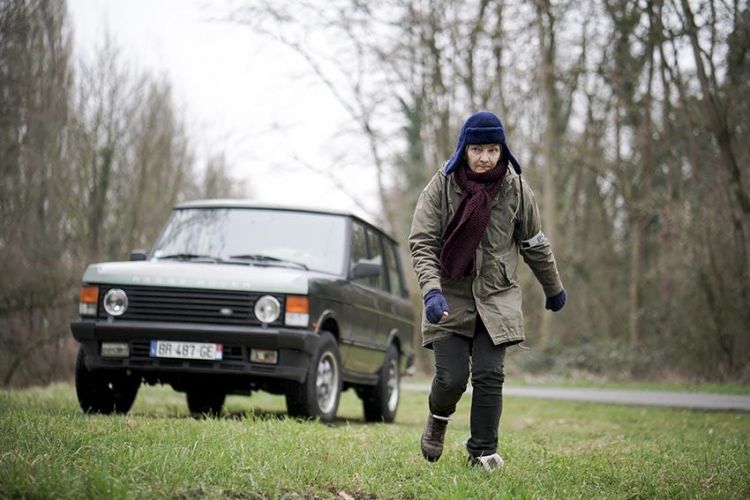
(104, 391)
(204, 401)
(380, 401)
(318, 396)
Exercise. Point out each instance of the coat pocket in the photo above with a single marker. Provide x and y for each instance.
(504, 279)
(510, 267)
(495, 276)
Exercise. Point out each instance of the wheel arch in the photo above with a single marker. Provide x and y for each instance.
(329, 322)
(393, 338)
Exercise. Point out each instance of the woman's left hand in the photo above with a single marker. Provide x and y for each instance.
(556, 302)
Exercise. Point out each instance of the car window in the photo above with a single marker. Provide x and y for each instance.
(375, 256)
(359, 248)
(393, 265)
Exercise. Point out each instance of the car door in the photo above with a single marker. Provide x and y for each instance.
(360, 348)
(397, 316)
(380, 289)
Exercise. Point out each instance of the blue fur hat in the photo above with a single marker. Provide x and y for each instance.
(483, 127)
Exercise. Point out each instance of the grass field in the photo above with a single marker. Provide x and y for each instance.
(49, 449)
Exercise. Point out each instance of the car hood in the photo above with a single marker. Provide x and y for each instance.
(249, 278)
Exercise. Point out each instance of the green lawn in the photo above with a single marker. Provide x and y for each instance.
(49, 449)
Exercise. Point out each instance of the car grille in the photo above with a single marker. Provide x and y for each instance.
(186, 305)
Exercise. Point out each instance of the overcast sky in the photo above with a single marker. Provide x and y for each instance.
(239, 93)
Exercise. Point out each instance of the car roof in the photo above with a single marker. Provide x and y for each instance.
(243, 203)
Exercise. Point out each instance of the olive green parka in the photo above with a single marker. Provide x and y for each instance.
(493, 291)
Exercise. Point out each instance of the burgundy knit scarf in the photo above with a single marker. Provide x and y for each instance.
(466, 229)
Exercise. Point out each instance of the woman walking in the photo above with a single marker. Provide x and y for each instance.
(470, 224)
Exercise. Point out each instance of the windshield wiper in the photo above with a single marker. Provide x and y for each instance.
(189, 256)
(268, 259)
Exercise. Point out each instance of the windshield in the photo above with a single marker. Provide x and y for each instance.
(262, 237)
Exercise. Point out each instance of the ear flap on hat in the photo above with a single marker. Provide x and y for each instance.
(484, 127)
(511, 159)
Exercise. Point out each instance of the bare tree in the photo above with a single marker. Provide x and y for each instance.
(608, 117)
(628, 118)
(90, 168)
(35, 82)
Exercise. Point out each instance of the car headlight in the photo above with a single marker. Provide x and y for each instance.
(116, 302)
(267, 309)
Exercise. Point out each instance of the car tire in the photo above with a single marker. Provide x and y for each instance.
(318, 396)
(104, 391)
(380, 402)
(203, 401)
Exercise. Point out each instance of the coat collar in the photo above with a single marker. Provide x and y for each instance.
(508, 183)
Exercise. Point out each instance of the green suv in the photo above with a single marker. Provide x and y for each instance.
(236, 297)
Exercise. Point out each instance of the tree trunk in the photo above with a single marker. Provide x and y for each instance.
(636, 251)
(550, 138)
(642, 202)
(722, 132)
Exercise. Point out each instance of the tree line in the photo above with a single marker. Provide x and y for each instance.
(93, 155)
(630, 117)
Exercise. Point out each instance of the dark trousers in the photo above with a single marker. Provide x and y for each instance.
(456, 357)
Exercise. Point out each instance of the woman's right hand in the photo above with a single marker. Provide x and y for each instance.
(435, 306)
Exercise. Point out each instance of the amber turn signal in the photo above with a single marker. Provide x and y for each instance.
(88, 300)
(89, 294)
(297, 310)
(297, 304)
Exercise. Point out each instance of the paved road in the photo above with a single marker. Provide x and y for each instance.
(690, 400)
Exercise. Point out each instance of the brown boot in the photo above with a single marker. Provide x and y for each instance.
(433, 437)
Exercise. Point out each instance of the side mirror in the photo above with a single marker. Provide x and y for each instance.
(138, 254)
(364, 269)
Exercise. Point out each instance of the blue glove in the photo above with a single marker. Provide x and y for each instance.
(435, 306)
(556, 303)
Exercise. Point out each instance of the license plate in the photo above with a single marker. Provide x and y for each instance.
(185, 350)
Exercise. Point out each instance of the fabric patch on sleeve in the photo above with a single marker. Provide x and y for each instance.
(534, 241)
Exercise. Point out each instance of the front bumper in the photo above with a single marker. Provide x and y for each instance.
(295, 347)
